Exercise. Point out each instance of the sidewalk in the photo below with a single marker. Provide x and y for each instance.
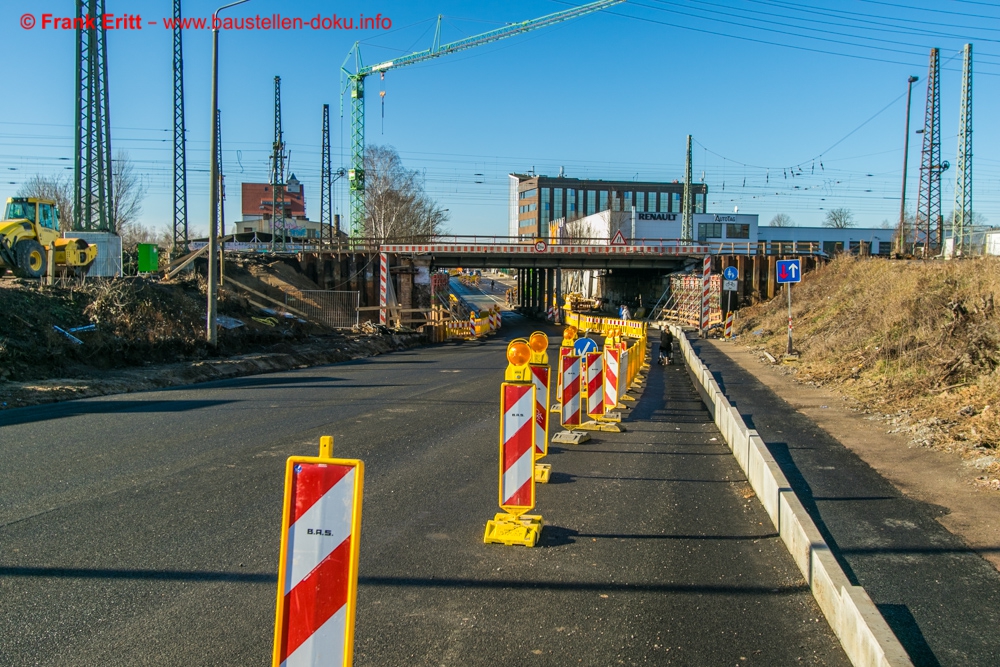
(939, 597)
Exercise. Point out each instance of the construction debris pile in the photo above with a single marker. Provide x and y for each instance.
(61, 332)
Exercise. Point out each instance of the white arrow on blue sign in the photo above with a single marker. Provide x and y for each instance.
(584, 345)
(789, 271)
(731, 273)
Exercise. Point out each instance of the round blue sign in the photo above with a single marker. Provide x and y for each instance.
(584, 345)
(731, 273)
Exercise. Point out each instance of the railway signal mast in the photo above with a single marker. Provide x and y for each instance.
(356, 86)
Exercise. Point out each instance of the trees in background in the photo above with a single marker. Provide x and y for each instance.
(839, 218)
(55, 188)
(782, 220)
(396, 204)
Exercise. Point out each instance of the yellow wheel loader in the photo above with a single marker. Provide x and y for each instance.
(29, 231)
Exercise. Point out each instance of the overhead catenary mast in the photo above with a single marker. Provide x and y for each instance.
(326, 183)
(180, 229)
(929, 195)
(93, 208)
(961, 224)
(356, 87)
(687, 219)
(277, 175)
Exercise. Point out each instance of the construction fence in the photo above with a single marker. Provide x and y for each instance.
(337, 310)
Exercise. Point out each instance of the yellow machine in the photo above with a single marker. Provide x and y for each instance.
(29, 231)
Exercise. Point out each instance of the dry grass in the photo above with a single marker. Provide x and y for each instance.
(916, 340)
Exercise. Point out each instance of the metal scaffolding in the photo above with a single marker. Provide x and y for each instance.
(93, 208)
(961, 223)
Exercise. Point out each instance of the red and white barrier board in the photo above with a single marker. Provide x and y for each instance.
(383, 286)
(318, 563)
(570, 372)
(706, 283)
(595, 384)
(517, 456)
(540, 378)
(611, 368)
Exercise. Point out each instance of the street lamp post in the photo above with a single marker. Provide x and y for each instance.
(901, 234)
(213, 228)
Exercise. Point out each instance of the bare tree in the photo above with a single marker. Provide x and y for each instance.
(839, 218)
(55, 188)
(126, 200)
(782, 220)
(396, 205)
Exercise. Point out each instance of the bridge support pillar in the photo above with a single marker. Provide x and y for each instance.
(741, 266)
(772, 275)
(559, 301)
(550, 280)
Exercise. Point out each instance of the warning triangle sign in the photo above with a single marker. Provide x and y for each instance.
(619, 239)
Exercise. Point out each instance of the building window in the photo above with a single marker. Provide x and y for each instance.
(602, 200)
(833, 247)
(675, 202)
(570, 203)
(558, 204)
(528, 194)
(737, 231)
(664, 206)
(591, 203)
(699, 202)
(709, 230)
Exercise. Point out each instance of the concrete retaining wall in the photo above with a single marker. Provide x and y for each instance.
(862, 631)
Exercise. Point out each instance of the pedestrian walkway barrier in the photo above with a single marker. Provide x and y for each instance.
(318, 559)
(478, 325)
(538, 342)
(863, 632)
(517, 454)
(569, 371)
(565, 347)
(612, 369)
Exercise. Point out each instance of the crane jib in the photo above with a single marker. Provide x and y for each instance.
(487, 37)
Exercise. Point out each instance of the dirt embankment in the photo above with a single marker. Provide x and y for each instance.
(140, 334)
(916, 343)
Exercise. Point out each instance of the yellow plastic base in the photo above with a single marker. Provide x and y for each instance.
(600, 426)
(626, 397)
(615, 417)
(571, 437)
(542, 473)
(510, 530)
(556, 408)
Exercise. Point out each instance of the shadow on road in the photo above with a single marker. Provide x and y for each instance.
(48, 412)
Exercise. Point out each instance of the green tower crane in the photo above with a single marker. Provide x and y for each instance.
(356, 87)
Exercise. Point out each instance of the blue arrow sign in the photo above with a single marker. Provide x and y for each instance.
(731, 273)
(789, 271)
(584, 345)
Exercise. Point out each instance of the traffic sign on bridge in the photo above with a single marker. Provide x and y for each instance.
(789, 271)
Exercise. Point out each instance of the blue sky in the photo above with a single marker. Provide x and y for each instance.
(766, 87)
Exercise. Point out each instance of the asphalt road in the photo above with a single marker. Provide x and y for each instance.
(935, 593)
(143, 529)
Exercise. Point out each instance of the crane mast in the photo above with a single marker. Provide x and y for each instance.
(356, 86)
